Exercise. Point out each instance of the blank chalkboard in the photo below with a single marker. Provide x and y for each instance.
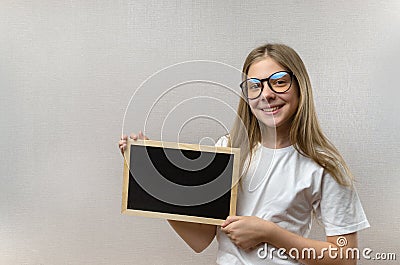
(178, 181)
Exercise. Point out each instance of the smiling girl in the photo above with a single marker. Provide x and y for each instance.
(290, 173)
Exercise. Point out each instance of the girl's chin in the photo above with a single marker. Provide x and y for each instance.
(269, 123)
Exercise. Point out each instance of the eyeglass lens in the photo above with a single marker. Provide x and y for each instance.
(279, 82)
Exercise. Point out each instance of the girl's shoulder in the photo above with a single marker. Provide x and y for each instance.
(223, 141)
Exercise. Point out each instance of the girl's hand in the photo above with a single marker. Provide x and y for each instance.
(246, 232)
(124, 139)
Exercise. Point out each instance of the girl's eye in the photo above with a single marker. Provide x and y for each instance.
(280, 79)
(280, 82)
(253, 85)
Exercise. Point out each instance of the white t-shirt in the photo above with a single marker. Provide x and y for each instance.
(285, 187)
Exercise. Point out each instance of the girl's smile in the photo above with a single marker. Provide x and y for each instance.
(272, 110)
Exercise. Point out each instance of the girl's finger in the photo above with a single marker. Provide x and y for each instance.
(141, 136)
(230, 220)
(123, 147)
(225, 230)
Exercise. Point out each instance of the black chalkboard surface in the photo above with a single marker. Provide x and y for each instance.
(180, 181)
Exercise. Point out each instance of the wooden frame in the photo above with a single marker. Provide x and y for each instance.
(172, 216)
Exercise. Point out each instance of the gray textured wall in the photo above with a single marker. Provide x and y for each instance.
(69, 68)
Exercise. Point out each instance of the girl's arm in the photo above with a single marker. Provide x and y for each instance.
(197, 236)
(248, 232)
(325, 252)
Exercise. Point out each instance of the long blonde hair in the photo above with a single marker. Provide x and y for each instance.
(305, 133)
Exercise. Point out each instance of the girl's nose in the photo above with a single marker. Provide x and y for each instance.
(267, 93)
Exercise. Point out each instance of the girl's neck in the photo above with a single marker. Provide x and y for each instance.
(275, 138)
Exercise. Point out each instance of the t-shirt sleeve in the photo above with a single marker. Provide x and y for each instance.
(222, 142)
(339, 208)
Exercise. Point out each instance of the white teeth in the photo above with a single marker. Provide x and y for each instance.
(270, 109)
